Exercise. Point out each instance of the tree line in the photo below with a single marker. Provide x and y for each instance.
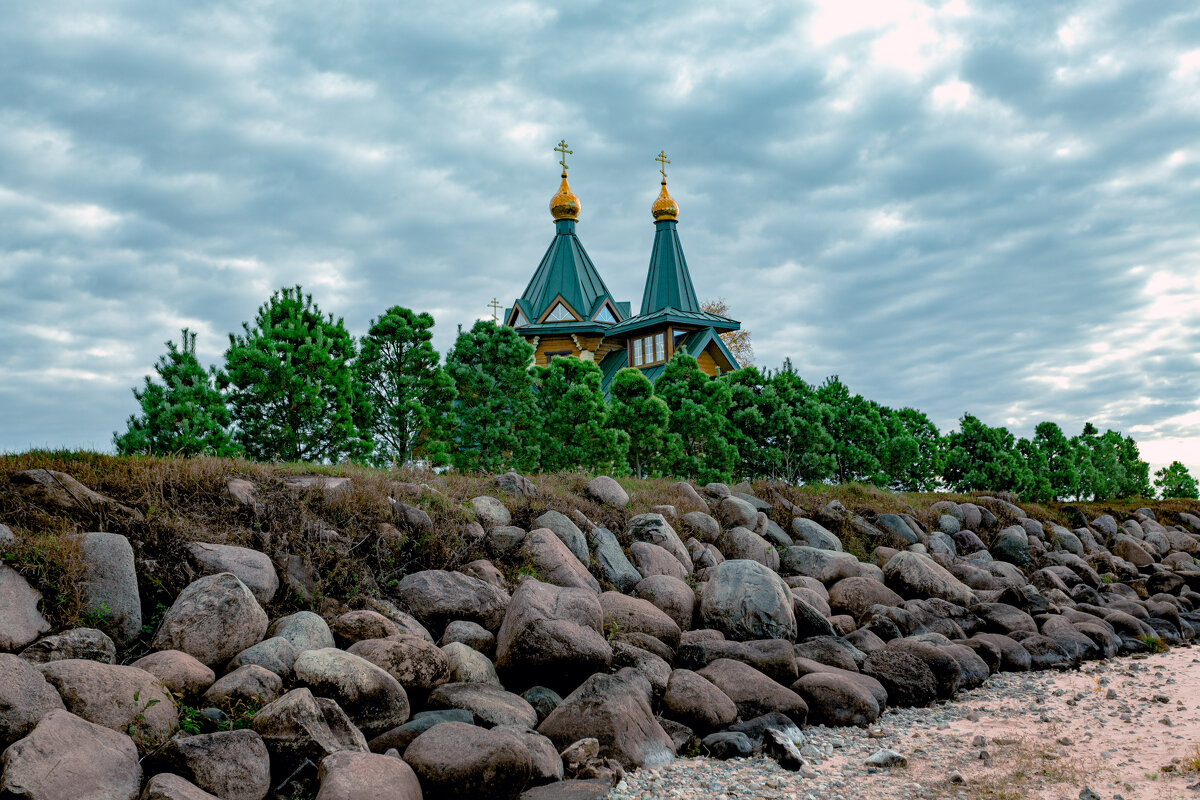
(297, 386)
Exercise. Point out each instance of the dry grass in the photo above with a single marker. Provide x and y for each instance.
(1019, 768)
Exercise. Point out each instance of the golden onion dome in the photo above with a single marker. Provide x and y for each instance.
(564, 205)
(665, 207)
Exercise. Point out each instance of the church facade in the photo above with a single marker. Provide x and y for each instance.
(568, 311)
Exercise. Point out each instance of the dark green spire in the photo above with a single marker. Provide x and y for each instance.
(565, 270)
(668, 283)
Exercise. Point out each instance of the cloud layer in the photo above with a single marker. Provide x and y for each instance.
(957, 206)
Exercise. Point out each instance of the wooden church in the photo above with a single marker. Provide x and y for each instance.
(567, 310)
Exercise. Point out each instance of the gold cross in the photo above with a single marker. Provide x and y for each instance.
(562, 148)
(662, 159)
(495, 306)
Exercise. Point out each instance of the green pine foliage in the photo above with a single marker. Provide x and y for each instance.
(979, 457)
(496, 415)
(912, 455)
(776, 423)
(410, 393)
(1062, 470)
(700, 429)
(183, 415)
(642, 418)
(291, 385)
(858, 431)
(1175, 481)
(574, 433)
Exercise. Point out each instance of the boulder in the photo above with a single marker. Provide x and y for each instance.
(355, 626)
(485, 571)
(671, 596)
(615, 710)
(899, 533)
(626, 614)
(654, 529)
(1011, 545)
(90, 643)
(109, 587)
(275, 654)
(252, 567)
(654, 667)
(701, 525)
(552, 636)
(491, 705)
(436, 597)
(567, 531)
(304, 630)
(606, 491)
(809, 619)
(827, 566)
(233, 765)
(1131, 550)
(68, 758)
(468, 665)
(472, 634)
(180, 673)
(726, 745)
(420, 667)
(650, 559)
(611, 560)
(814, 534)
(20, 620)
(546, 765)
(25, 697)
(357, 776)
(742, 543)
(251, 684)
(745, 600)
(947, 672)
(124, 699)
(697, 703)
(907, 679)
(299, 726)
(490, 512)
(49, 489)
(775, 658)
(831, 650)
(399, 738)
(503, 539)
(515, 484)
(213, 619)
(454, 760)
(753, 692)
(854, 596)
(371, 698)
(836, 699)
(914, 575)
(543, 700)
(734, 512)
(554, 562)
(165, 786)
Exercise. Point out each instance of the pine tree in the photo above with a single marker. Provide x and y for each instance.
(643, 419)
(1062, 468)
(184, 415)
(409, 391)
(858, 432)
(1175, 482)
(777, 427)
(574, 431)
(912, 457)
(699, 426)
(496, 415)
(981, 457)
(291, 383)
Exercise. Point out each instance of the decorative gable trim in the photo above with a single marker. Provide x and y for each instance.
(553, 310)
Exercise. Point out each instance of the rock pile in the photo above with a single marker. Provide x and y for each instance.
(714, 632)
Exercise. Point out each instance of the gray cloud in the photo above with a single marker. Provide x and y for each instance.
(955, 206)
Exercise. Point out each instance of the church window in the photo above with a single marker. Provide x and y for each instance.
(660, 347)
(559, 314)
(520, 321)
(605, 315)
(637, 352)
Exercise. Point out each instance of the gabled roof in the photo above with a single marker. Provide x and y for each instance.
(674, 316)
(668, 282)
(566, 271)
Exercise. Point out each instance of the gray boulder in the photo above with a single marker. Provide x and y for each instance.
(233, 765)
(606, 491)
(1011, 545)
(125, 699)
(814, 534)
(249, 684)
(304, 630)
(213, 619)
(827, 566)
(468, 665)
(696, 702)
(654, 529)
(745, 600)
(629, 614)
(109, 588)
(908, 680)
(855, 596)
(90, 643)
(670, 595)
(915, 576)
(754, 693)
(490, 512)
(437, 597)
(554, 561)
(552, 636)
(20, 620)
(897, 528)
(458, 760)
(25, 697)
(371, 698)
(165, 786)
(356, 776)
(611, 559)
(471, 634)
(276, 654)
(252, 567)
(734, 512)
(615, 710)
(739, 543)
(490, 704)
(68, 758)
(299, 726)
(420, 667)
(836, 699)
(702, 526)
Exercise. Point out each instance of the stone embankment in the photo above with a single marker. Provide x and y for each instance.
(567, 658)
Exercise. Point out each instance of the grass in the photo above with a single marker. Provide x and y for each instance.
(1153, 643)
(1020, 768)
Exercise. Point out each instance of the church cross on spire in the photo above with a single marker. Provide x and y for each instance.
(662, 159)
(562, 148)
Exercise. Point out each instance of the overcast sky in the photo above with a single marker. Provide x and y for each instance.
(973, 207)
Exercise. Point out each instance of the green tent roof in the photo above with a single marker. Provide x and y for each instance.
(565, 270)
(668, 283)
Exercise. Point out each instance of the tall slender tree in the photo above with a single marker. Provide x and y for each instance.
(410, 393)
(859, 434)
(184, 414)
(700, 426)
(290, 381)
(496, 414)
(644, 419)
(912, 456)
(1062, 468)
